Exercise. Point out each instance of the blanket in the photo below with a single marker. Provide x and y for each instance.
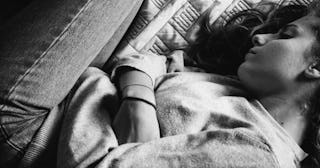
(194, 135)
(204, 119)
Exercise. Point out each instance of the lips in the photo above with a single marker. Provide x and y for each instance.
(250, 54)
(252, 51)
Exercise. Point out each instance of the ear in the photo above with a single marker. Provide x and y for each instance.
(313, 71)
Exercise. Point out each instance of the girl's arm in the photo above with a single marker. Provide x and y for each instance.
(135, 75)
(136, 120)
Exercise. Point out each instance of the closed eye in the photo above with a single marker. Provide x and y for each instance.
(287, 31)
(283, 35)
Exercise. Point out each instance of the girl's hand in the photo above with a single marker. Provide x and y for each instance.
(151, 64)
(156, 65)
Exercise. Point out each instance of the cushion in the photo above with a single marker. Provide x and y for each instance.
(162, 26)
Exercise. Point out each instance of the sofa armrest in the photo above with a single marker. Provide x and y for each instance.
(123, 22)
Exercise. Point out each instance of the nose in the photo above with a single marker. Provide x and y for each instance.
(260, 39)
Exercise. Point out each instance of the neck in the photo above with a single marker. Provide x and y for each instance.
(289, 112)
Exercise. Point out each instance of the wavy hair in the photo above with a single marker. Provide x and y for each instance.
(312, 141)
(221, 49)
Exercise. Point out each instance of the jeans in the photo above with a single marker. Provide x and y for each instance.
(43, 51)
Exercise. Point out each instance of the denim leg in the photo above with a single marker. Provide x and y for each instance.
(43, 51)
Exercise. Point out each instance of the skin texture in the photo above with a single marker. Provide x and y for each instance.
(136, 121)
(280, 70)
(276, 61)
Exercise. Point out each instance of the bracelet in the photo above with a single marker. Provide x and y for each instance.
(139, 99)
(137, 84)
(139, 92)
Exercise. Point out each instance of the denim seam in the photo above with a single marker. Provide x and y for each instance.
(14, 146)
(9, 142)
(5, 134)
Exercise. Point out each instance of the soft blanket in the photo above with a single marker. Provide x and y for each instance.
(205, 121)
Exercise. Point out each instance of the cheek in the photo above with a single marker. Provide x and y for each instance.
(275, 66)
(250, 75)
(270, 70)
(261, 77)
(279, 61)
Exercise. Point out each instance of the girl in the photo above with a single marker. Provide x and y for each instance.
(205, 120)
(275, 101)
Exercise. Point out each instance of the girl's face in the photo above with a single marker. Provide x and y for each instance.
(276, 61)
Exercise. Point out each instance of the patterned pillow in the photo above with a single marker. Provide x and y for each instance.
(162, 26)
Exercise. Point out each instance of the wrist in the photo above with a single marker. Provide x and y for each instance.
(137, 92)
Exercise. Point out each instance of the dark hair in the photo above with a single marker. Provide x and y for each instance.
(312, 141)
(221, 49)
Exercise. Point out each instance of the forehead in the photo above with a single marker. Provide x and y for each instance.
(309, 24)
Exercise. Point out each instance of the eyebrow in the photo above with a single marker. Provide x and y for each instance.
(297, 29)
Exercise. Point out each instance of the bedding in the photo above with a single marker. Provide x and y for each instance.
(205, 121)
(190, 138)
(162, 26)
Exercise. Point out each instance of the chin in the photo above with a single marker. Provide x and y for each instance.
(241, 71)
(246, 78)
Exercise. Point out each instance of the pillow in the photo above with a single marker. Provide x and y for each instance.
(162, 26)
